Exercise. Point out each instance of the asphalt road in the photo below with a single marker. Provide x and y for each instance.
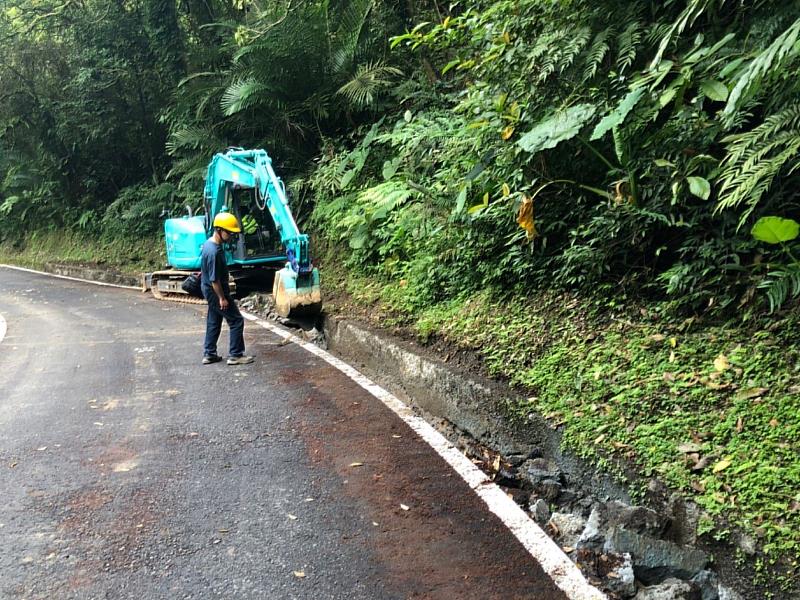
(130, 470)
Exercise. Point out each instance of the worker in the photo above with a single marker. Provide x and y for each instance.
(216, 291)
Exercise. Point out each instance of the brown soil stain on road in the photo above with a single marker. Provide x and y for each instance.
(432, 533)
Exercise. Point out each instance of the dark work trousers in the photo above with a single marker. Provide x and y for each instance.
(214, 326)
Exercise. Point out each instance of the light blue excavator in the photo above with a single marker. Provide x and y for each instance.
(244, 183)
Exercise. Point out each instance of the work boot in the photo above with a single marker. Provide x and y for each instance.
(210, 359)
(240, 360)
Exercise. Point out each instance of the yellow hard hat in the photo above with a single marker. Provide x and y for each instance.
(228, 222)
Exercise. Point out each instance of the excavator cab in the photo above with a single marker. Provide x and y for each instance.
(259, 237)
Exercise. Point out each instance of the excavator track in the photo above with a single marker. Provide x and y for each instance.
(174, 297)
(171, 292)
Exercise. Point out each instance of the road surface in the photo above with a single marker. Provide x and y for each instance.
(130, 470)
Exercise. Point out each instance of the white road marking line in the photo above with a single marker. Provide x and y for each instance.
(544, 550)
(3, 328)
(103, 283)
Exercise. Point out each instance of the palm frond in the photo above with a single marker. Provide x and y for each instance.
(349, 28)
(241, 95)
(367, 81)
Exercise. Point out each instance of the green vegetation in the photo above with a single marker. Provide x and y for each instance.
(128, 256)
(599, 198)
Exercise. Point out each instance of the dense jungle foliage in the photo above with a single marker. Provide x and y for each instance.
(628, 151)
(627, 146)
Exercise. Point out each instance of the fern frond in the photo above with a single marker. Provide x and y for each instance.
(628, 41)
(781, 284)
(573, 47)
(767, 64)
(597, 52)
(756, 157)
(350, 26)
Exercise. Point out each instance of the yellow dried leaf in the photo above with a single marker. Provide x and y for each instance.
(721, 465)
(299, 574)
(506, 37)
(525, 217)
(357, 464)
(673, 342)
(507, 132)
(496, 463)
(446, 22)
(721, 363)
(506, 189)
(600, 438)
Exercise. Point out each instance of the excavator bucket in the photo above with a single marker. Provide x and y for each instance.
(297, 295)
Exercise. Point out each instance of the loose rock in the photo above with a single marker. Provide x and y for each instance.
(671, 589)
(656, 560)
(540, 511)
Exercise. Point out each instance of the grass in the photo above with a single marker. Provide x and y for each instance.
(711, 409)
(129, 256)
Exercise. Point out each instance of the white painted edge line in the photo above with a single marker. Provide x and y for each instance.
(3, 328)
(103, 283)
(544, 550)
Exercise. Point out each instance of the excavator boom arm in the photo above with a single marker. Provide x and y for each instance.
(253, 169)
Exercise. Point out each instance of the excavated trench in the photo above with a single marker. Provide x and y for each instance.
(644, 551)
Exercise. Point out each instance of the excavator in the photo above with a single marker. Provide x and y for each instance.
(244, 183)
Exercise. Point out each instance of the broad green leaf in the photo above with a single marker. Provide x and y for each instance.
(557, 128)
(699, 187)
(479, 207)
(461, 200)
(715, 90)
(390, 168)
(661, 162)
(617, 116)
(775, 230)
(450, 65)
(347, 178)
(666, 97)
(359, 238)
